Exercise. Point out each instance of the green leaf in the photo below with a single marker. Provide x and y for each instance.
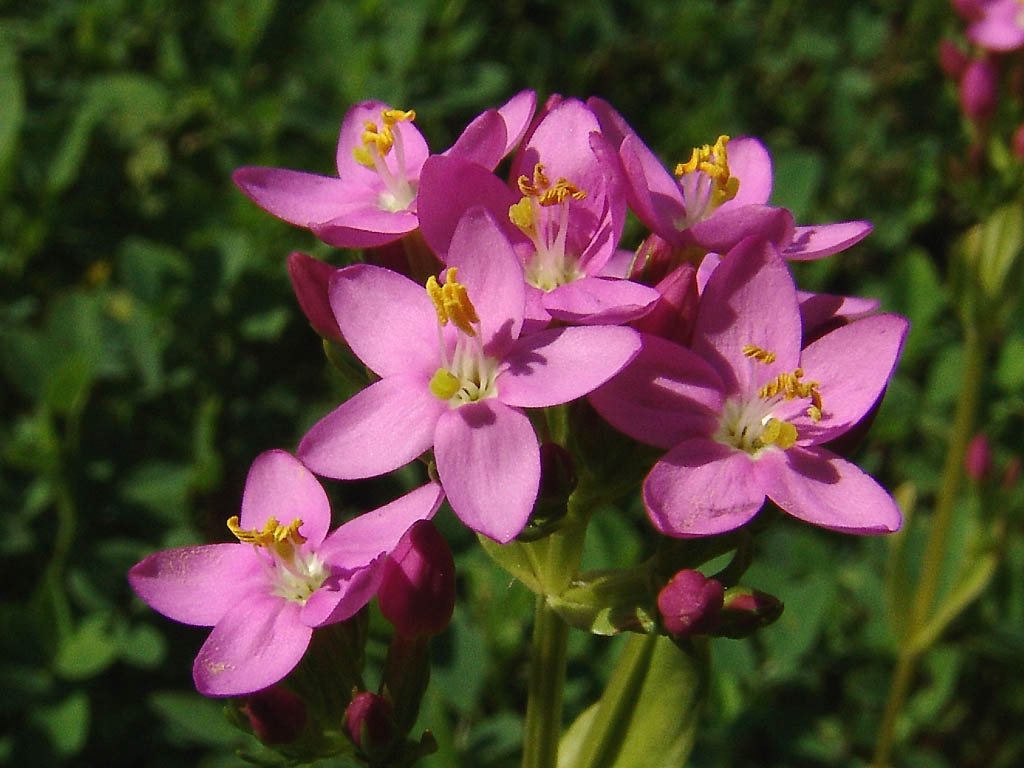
(241, 23)
(194, 719)
(89, 650)
(143, 647)
(66, 723)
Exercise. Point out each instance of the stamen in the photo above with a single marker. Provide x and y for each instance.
(789, 386)
(779, 433)
(379, 141)
(444, 384)
(521, 214)
(451, 301)
(713, 161)
(758, 354)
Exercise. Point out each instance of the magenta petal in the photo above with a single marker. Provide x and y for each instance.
(198, 585)
(825, 239)
(821, 312)
(652, 192)
(279, 486)
(702, 488)
(561, 142)
(820, 488)
(517, 112)
(343, 595)
(300, 198)
(488, 460)
(388, 424)
(351, 136)
(388, 320)
(255, 645)
(749, 162)
(1000, 28)
(673, 316)
(366, 226)
(600, 301)
(666, 395)
(727, 227)
(613, 125)
(483, 141)
(309, 278)
(749, 299)
(561, 364)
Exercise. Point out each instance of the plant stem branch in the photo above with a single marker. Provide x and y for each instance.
(544, 694)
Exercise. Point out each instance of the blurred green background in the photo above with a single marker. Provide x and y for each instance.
(150, 345)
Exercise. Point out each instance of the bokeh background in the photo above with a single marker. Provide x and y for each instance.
(150, 346)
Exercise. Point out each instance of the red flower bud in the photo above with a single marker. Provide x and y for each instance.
(968, 9)
(1011, 474)
(1017, 142)
(276, 715)
(979, 88)
(952, 60)
(417, 593)
(978, 458)
(309, 280)
(747, 610)
(370, 721)
(690, 604)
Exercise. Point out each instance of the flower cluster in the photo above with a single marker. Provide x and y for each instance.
(697, 343)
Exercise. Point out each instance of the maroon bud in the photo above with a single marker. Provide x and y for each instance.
(1017, 142)
(370, 721)
(674, 313)
(690, 604)
(417, 593)
(1011, 474)
(276, 715)
(979, 87)
(968, 9)
(309, 280)
(747, 610)
(952, 60)
(978, 457)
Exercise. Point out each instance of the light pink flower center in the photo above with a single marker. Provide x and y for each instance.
(293, 572)
(705, 182)
(376, 144)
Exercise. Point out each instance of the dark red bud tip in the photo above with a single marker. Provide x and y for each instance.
(747, 610)
(978, 458)
(276, 715)
(1011, 473)
(310, 278)
(370, 721)
(1017, 142)
(952, 59)
(417, 593)
(979, 88)
(690, 604)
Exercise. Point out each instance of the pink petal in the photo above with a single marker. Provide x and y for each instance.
(303, 199)
(365, 226)
(728, 226)
(600, 301)
(673, 315)
(822, 312)
(561, 364)
(482, 142)
(343, 595)
(1000, 28)
(703, 488)
(820, 488)
(279, 486)
(825, 239)
(613, 125)
(750, 162)
(652, 192)
(198, 585)
(749, 299)
(257, 643)
(309, 278)
(517, 112)
(385, 426)
(665, 396)
(707, 267)
(488, 460)
(414, 145)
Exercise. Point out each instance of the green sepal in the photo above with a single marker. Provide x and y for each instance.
(609, 602)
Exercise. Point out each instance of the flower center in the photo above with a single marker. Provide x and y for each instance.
(376, 144)
(543, 216)
(293, 574)
(467, 375)
(705, 182)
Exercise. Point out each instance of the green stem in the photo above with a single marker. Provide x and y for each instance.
(935, 550)
(543, 726)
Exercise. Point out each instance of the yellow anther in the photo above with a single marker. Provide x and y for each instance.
(714, 161)
(779, 433)
(539, 184)
(756, 353)
(563, 188)
(392, 116)
(379, 140)
(273, 532)
(451, 301)
(521, 214)
(814, 412)
(789, 386)
(444, 384)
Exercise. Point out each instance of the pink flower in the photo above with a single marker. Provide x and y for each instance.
(264, 594)
(997, 25)
(456, 370)
(746, 412)
(379, 157)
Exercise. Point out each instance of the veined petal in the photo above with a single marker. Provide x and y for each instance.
(279, 486)
(820, 488)
(816, 242)
(300, 198)
(365, 226)
(387, 320)
(561, 364)
(702, 488)
(666, 395)
(388, 424)
(749, 162)
(257, 643)
(198, 585)
(600, 301)
(488, 460)
(750, 299)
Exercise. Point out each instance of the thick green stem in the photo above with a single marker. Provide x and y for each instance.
(935, 550)
(543, 726)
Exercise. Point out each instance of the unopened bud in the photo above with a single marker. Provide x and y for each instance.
(417, 593)
(310, 278)
(1017, 142)
(370, 722)
(276, 715)
(674, 313)
(968, 9)
(978, 458)
(979, 87)
(746, 610)
(1011, 474)
(690, 604)
(952, 59)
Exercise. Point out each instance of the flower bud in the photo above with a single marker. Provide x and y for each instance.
(968, 9)
(690, 604)
(1011, 474)
(745, 611)
(978, 458)
(978, 88)
(309, 280)
(370, 721)
(675, 312)
(417, 593)
(952, 60)
(1017, 142)
(276, 715)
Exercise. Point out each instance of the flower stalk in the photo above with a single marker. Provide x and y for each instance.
(543, 725)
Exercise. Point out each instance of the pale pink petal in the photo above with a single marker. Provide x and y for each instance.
(820, 488)
(388, 320)
(279, 486)
(257, 643)
(300, 198)
(351, 136)
(823, 312)
(702, 488)
(380, 429)
(517, 112)
(198, 585)
(613, 125)
(707, 267)
(749, 162)
(482, 142)
(1001, 27)
(666, 395)
(343, 594)
(750, 299)
(561, 364)
(600, 301)
(727, 227)
(816, 242)
(366, 226)
(652, 192)
(561, 142)
(488, 460)
(309, 278)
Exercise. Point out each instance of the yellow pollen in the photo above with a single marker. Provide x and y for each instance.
(540, 182)
(392, 116)
(779, 433)
(451, 301)
(714, 161)
(444, 384)
(273, 532)
(379, 140)
(545, 193)
(756, 353)
(521, 214)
